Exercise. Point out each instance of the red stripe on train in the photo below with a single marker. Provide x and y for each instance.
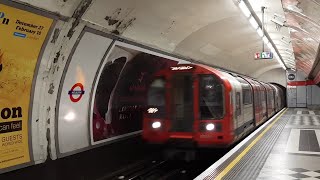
(301, 83)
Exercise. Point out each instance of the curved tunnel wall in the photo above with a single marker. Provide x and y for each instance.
(274, 75)
(120, 75)
(66, 117)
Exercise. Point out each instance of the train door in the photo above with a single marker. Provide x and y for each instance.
(182, 116)
(256, 104)
(238, 106)
(264, 103)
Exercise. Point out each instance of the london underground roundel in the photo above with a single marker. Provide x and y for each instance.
(291, 77)
(76, 92)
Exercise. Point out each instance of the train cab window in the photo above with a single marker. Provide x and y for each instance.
(211, 98)
(156, 95)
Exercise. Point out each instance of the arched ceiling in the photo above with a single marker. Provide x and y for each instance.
(211, 31)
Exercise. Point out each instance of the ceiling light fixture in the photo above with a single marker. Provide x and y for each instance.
(253, 23)
(265, 40)
(246, 8)
(260, 33)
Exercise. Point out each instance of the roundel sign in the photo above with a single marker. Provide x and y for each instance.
(291, 77)
(76, 92)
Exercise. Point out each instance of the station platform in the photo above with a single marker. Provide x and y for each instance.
(285, 147)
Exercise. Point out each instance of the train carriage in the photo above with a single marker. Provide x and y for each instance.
(205, 106)
(269, 99)
(278, 97)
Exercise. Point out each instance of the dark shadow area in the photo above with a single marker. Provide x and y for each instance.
(88, 165)
(284, 92)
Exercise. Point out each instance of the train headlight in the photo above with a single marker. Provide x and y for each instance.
(156, 125)
(210, 127)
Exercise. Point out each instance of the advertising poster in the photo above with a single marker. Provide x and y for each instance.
(22, 35)
(120, 96)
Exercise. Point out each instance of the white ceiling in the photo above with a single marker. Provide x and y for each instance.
(280, 35)
(211, 31)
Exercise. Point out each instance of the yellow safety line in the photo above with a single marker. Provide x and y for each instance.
(236, 160)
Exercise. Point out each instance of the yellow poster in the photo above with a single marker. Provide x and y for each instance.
(22, 35)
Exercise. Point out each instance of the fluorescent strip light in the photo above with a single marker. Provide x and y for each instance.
(287, 52)
(259, 31)
(265, 40)
(244, 9)
(280, 62)
(292, 63)
(291, 60)
(292, 30)
(284, 41)
(253, 23)
(283, 66)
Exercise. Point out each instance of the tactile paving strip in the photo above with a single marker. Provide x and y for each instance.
(304, 120)
(251, 164)
(216, 171)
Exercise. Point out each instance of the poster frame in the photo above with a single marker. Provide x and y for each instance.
(63, 77)
(34, 77)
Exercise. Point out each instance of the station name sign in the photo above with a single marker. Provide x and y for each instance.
(263, 55)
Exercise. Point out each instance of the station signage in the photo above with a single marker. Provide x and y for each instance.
(76, 92)
(291, 77)
(263, 55)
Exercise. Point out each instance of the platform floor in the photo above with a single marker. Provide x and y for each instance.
(287, 147)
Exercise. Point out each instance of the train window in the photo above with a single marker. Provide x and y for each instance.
(238, 107)
(247, 96)
(211, 98)
(263, 95)
(270, 96)
(247, 92)
(156, 93)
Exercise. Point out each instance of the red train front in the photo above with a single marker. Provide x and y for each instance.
(189, 102)
(204, 105)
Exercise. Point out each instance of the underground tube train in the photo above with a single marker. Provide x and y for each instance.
(206, 106)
